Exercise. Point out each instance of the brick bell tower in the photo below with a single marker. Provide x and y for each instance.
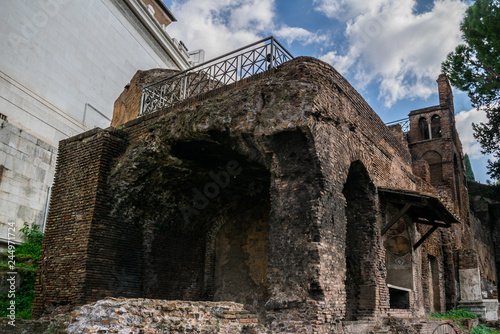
(433, 138)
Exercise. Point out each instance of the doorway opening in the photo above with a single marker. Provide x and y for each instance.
(360, 283)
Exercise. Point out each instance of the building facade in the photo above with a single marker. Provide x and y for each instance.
(284, 192)
(63, 64)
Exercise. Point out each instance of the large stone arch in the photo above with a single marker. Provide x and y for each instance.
(221, 216)
(178, 198)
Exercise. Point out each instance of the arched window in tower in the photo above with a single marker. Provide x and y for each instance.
(436, 126)
(434, 160)
(423, 127)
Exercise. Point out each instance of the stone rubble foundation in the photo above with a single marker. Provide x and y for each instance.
(150, 316)
(154, 316)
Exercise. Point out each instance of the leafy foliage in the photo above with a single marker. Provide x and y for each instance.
(463, 314)
(468, 169)
(488, 135)
(482, 329)
(474, 67)
(454, 314)
(32, 244)
(27, 255)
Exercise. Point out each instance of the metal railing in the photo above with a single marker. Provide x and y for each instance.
(405, 124)
(221, 71)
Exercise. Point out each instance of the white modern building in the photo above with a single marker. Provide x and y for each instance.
(63, 63)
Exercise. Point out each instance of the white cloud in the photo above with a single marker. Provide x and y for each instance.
(387, 43)
(391, 45)
(346, 9)
(331, 8)
(292, 34)
(220, 26)
(464, 121)
(341, 63)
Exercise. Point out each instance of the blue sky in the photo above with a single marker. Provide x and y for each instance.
(389, 50)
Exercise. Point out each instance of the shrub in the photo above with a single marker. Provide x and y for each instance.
(482, 329)
(454, 314)
(27, 255)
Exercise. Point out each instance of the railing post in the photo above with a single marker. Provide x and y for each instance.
(238, 72)
(141, 109)
(272, 53)
(183, 87)
(210, 76)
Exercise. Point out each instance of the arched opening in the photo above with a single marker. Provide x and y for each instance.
(436, 126)
(203, 207)
(241, 259)
(232, 201)
(434, 284)
(361, 243)
(434, 160)
(398, 256)
(423, 128)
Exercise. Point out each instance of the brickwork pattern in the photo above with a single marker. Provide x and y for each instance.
(72, 233)
(146, 316)
(445, 144)
(294, 134)
(128, 104)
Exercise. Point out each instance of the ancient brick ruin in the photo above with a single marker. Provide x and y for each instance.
(284, 192)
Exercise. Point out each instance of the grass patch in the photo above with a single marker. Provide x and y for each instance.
(463, 314)
(454, 315)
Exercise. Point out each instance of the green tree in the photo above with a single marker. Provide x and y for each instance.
(474, 67)
(468, 169)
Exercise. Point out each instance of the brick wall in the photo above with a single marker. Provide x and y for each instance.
(485, 223)
(127, 105)
(73, 267)
(441, 149)
(468, 259)
(289, 139)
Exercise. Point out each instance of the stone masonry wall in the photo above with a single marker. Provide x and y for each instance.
(338, 116)
(146, 316)
(26, 174)
(347, 131)
(282, 141)
(485, 223)
(127, 105)
(160, 316)
(72, 235)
